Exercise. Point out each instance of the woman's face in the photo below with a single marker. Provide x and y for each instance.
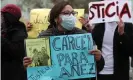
(67, 10)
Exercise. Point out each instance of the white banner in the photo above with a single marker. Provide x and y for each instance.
(108, 11)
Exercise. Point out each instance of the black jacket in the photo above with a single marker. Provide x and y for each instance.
(122, 49)
(132, 61)
(54, 32)
(12, 52)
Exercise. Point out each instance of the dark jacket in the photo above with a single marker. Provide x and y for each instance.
(132, 61)
(55, 32)
(12, 51)
(122, 49)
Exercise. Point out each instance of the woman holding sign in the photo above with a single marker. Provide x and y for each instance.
(62, 22)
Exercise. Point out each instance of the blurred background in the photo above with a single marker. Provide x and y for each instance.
(27, 5)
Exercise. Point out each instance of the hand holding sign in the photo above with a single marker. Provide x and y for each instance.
(29, 26)
(121, 27)
(27, 61)
(85, 23)
(96, 53)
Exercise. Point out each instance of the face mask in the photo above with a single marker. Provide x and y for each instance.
(68, 21)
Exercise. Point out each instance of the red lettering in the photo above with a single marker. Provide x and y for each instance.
(98, 9)
(108, 8)
(93, 15)
(117, 8)
(125, 10)
(103, 13)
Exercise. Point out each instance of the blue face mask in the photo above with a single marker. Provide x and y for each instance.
(68, 21)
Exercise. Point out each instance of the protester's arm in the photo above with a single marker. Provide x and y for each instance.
(126, 39)
(85, 24)
(87, 28)
(27, 61)
(29, 26)
(99, 59)
(100, 64)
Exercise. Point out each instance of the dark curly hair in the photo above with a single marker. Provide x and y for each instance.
(55, 12)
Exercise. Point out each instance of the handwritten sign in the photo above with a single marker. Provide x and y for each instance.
(108, 11)
(39, 51)
(70, 54)
(39, 19)
(42, 72)
(80, 14)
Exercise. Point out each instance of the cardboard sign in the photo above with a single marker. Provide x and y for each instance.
(39, 20)
(42, 72)
(108, 11)
(70, 59)
(70, 54)
(80, 14)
